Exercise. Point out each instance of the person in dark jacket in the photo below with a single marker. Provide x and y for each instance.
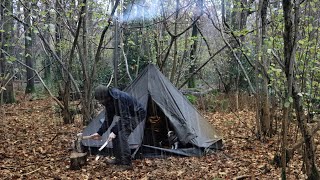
(130, 112)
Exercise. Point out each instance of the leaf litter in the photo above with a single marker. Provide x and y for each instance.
(36, 145)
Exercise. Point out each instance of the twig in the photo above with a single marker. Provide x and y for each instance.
(242, 177)
(278, 59)
(31, 172)
(7, 167)
(57, 134)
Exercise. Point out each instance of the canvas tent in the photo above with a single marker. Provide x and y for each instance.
(172, 111)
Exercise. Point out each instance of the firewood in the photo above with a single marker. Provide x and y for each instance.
(77, 143)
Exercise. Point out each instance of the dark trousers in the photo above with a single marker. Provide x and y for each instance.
(121, 147)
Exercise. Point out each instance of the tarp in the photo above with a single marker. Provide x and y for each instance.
(190, 126)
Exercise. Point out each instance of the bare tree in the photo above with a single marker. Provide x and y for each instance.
(194, 46)
(47, 62)
(262, 65)
(291, 21)
(28, 48)
(6, 52)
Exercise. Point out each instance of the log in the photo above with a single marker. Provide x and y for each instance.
(77, 160)
(77, 144)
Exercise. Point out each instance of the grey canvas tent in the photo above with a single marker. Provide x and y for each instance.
(176, 113)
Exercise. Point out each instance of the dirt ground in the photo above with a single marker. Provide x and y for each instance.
(34, 144)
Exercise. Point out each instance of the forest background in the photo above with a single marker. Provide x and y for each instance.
(227, 56)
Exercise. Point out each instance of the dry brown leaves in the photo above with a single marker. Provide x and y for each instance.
(35, 145)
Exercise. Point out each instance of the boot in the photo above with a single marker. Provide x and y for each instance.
(125, 167)
(112, 161)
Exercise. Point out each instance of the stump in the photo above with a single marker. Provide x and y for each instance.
(77, 160)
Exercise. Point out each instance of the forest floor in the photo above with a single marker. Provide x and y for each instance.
(34, 144)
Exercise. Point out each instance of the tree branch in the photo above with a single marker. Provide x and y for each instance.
(205, 63)
(98, 53)
(174, 37)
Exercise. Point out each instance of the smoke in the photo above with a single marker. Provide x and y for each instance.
(141, 10)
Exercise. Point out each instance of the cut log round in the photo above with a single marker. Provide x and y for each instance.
(77, 160)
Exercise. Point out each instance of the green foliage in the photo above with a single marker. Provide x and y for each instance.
(242, 32)
(192, 98)
(103, 74)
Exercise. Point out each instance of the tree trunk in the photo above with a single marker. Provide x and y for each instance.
(17, 50)
(257, 79)
(58, 37)
(181, 60)
(236, 95)
(67, 116)
(116, 52)
(192, 68)
(175, 45)
(290, 36)
(194, 46)
(86, 99)
(47, 35)
(6, 40)
(28, 49)
(265, 104)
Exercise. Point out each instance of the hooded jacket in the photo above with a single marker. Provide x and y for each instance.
(124, 105)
